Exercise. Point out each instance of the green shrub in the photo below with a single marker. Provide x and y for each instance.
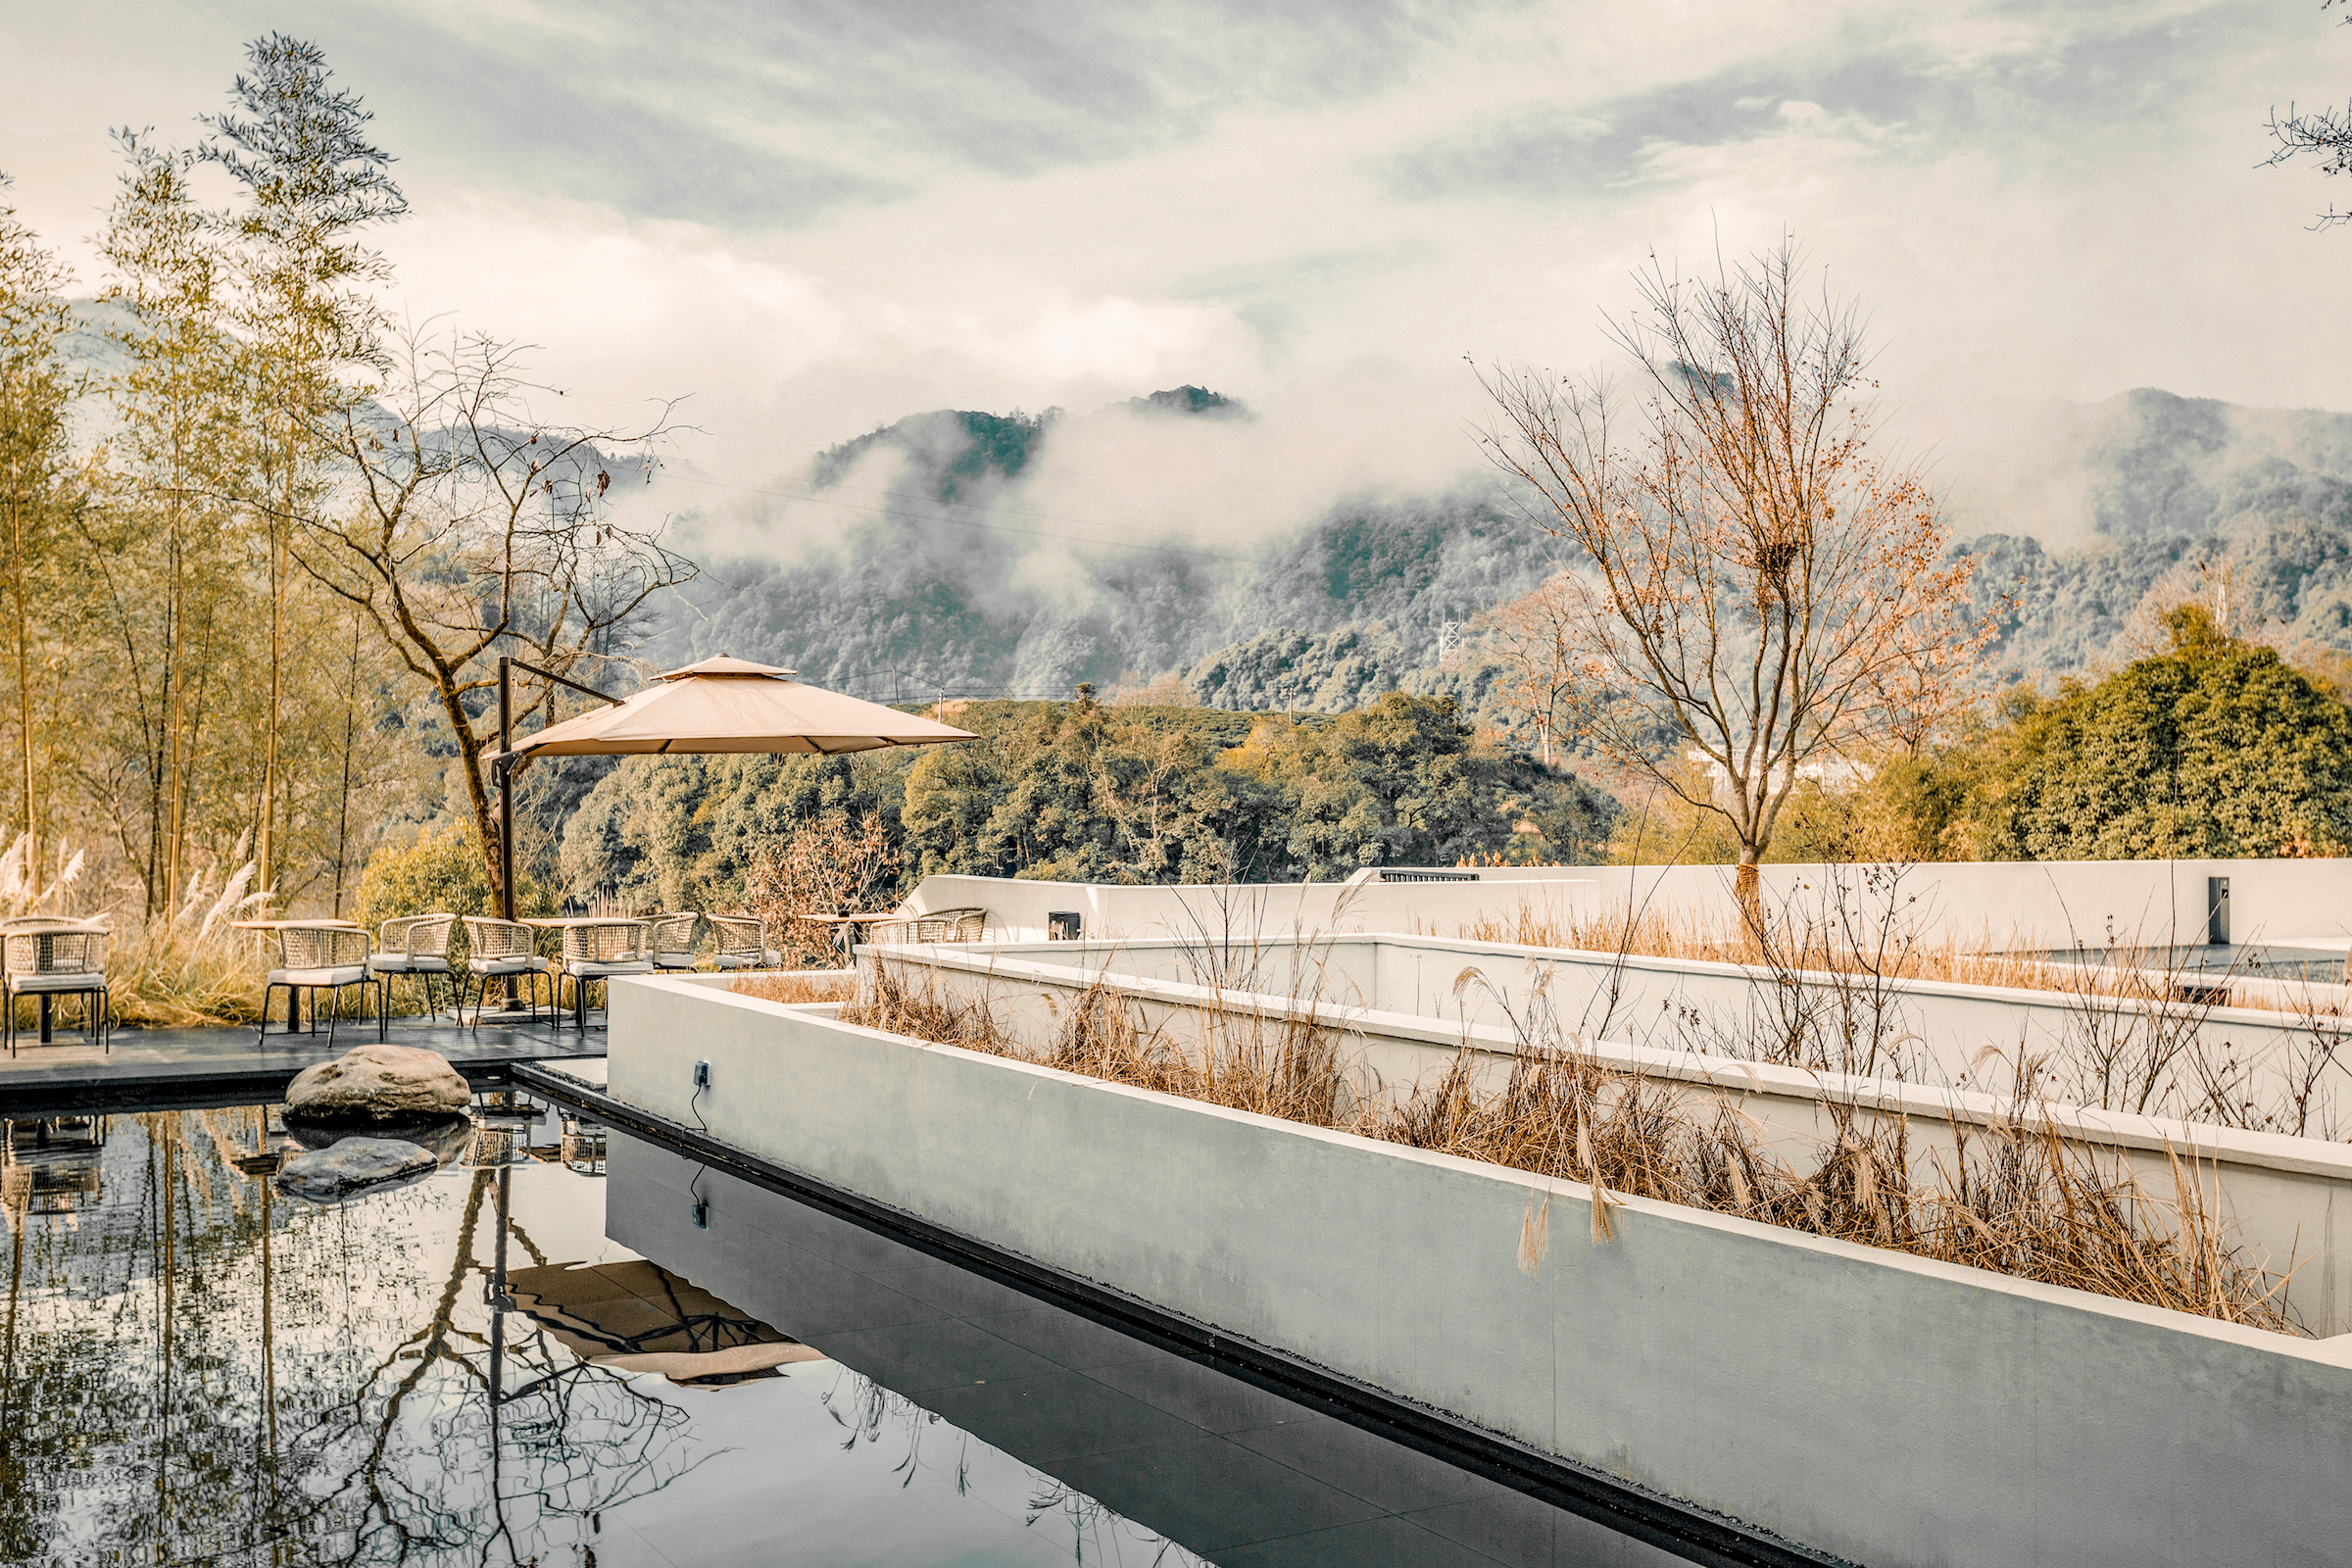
(441, 873)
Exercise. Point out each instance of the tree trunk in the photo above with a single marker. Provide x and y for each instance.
(265, 850)
(32, 816)
(351, 720)
(1749, 886)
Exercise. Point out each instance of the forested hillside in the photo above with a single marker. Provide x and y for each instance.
(2248, 507)
(1088, 791)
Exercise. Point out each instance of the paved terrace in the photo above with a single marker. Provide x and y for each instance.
(161, 1068)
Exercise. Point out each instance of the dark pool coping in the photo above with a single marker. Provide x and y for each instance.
(192, 1069)
(1667, 1523)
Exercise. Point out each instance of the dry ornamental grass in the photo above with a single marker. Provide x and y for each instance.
(820, 986)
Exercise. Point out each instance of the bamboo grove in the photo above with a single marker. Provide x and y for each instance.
(263, 543)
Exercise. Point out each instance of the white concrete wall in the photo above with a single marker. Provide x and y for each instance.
(1986, 906)
(1881, 1407)
(2286, 1202)
(1017, 910)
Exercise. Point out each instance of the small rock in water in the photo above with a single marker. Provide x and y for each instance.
(378, 1082)
(353, 1165)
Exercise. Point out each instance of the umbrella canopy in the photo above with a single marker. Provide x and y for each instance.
(731, 705)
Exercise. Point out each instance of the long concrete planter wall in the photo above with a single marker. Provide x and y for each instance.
(1979, 906)
(1019, 910)
(2286, 1202)
(1885, 1409)
(1939, 1030)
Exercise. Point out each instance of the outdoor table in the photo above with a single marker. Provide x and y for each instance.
(293, 998)
(42, 927)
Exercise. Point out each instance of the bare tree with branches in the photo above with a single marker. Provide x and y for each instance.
(2327, 134)
(1761, 593)
(468, 527)
(1536, 638)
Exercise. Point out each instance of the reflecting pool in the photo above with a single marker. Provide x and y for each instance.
(570, 1346)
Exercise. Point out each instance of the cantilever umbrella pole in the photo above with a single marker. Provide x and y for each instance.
(508, 765)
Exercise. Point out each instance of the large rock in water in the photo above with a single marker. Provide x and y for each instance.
(378, 1082)
(443, 1136)
(353, 1165)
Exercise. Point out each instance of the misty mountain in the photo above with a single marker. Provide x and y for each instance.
(940, 576)
(934, 568)
(2249, 508)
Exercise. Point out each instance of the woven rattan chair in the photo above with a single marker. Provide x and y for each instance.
(416, 946)
(742, 942)
(962, 925)
(502, 949)
(320, 958)
(906, 929)
(48, 963)
(600, 950)
(671, 940)
(932, 925)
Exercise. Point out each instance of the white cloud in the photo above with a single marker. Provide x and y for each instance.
(2030, 203)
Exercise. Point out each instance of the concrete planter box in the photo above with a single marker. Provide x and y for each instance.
(1881, 1407)
(1673, 1003)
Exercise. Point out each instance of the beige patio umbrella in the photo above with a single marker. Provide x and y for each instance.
(731, 705)
(720, 705)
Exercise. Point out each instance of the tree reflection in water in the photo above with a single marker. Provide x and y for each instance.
(196, 1367)
(1092, 1532)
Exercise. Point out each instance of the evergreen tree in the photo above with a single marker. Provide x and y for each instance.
(2215, 748)
(305, 310)
(166, 587)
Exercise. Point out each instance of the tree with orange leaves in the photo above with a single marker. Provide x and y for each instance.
(1760, 592)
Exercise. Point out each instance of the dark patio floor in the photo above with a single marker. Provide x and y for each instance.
(158, 1068)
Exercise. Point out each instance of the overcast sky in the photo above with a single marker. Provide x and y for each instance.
(815, 217)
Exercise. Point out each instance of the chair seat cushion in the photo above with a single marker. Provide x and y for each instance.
(675, 961)
(521, 963)
(402, 964)
(770, 960)
(593, 970)
(34, 984)
(349, 974)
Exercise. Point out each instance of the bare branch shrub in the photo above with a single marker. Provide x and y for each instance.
(828, 866)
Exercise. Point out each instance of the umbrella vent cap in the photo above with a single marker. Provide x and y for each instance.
(723, 665)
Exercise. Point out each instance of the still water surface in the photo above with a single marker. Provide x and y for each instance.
(573, 1348)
